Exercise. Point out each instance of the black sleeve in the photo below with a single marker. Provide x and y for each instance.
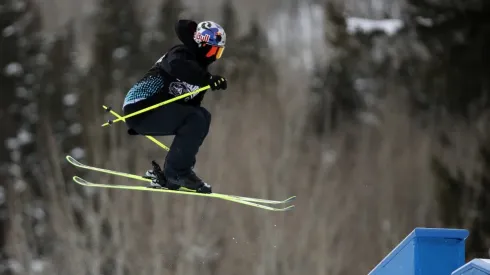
(183, 66)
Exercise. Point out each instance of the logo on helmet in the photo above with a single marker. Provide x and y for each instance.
(198, 37)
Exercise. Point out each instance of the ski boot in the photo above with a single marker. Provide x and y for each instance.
(190, 181)
(157, 177)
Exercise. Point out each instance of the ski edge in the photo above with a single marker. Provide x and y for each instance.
(84, 182)
(75, 162)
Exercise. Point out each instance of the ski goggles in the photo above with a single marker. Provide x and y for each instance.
(215, 51)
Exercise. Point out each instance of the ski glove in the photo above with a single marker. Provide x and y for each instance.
(217, 82)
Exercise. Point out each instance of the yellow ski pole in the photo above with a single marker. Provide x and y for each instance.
(110, 122)
(149, 137)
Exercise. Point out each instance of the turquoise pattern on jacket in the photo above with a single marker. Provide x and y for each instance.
(144, 89)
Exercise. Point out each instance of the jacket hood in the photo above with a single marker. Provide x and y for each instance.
(185, 32)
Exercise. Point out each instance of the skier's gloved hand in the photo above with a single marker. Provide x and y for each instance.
(217, 82)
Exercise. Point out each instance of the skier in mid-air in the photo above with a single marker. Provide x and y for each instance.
(183, 69)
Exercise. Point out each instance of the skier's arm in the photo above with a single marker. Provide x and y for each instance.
(181, 65)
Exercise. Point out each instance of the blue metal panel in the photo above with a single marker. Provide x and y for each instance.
(474, 267)
(425, 251)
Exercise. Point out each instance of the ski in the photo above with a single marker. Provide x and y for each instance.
(84, 182)
(240, 199)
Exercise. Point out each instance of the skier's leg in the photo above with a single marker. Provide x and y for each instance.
(190, 125)
(207, 117)
(188, 139)
(162, 121)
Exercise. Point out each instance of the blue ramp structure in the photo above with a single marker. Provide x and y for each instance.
(474, 267)
(426, 251)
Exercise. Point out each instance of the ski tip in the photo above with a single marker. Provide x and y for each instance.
(73, 161)
(79, 180)
(70, 158)
(290, 199)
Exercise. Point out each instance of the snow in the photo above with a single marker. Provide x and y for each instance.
(15, 170)
(389, 26)
(120, 53)
(8, 31)
(76, 129)
(15, 266)
(297, 36)
(329, 157)
(13, 69)
(77, 153)
(24, 137)
(20, 185)
(70, 99)
(369, 118)
(12, 144)
(38, 213)
(428, 22)
(300, 36)
(38, 266)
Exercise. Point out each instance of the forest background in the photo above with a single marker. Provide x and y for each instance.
(373, 112)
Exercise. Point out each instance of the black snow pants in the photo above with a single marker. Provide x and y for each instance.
(190, 125)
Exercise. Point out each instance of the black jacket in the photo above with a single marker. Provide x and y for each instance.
(184, 68)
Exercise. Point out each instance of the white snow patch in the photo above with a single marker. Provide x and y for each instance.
(20, 185)
(329, 157)
(38, 266)
(297, 36)
(369, 118)
(8, 31)
(15, 266)
(75, 129)
(389, 26)
(120, 53)
(15, 170)
(12, 143)
(24, 137)
(486, 260)
(38, 213)
(424, 21)
(70, 99)
(77, 153)
(14, 69)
